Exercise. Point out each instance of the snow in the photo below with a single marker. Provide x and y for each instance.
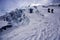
(35, 26)
(3, 22)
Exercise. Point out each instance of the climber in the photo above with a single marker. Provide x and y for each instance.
(52, 10)
(48, 10)
(31, 10)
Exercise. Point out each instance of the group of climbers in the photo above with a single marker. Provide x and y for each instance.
(50, 10)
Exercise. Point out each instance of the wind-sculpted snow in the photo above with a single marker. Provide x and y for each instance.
(39, 25)
(13, 18)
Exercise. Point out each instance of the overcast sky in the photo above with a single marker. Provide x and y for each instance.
(7, 5)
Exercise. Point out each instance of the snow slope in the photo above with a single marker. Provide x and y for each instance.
(39, 25)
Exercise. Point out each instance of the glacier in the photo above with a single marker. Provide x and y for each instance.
(38, 25)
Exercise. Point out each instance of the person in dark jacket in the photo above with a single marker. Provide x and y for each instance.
(48, 10)
(52, 10)
(31, 10)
